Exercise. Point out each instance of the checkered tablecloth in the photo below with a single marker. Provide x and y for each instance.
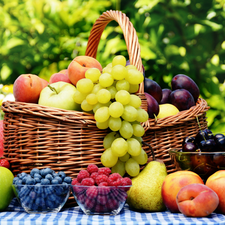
(15, 215)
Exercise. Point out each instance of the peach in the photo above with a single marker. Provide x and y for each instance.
(79, 65)
(173, 183)
(27, 88)
(59, 77)
(217, 183)
(197, 200)
(44, 82)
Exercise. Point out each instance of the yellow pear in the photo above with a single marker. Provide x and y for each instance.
(145, 193)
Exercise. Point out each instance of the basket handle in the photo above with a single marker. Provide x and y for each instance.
(130, 37)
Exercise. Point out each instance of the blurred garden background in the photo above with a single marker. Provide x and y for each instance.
(176, 37)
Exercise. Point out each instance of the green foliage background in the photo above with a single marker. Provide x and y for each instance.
(176, 37)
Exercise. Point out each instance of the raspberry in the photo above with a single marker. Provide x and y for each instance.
(101, 178)
(92, 192)
(102, 199)
(92, 168)
(103, 190)
(75, 182)
(82, 174)
(114, 177)
(4, 163)
(104, 170)
(112, 204)
(116, 183)
(89, 203)
(87, 182)
(126, 181)
(103, 184)
(94, 175)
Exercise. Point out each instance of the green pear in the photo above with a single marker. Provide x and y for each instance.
(145, 192)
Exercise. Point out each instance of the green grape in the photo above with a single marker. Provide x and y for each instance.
(119, 167)
(138, 138)
(85, 106)
(123, 97)
(103, 96)
(106, 80)
(122, 85)
(93, 74)
(130, 113)
(112, 90)
(126, 130)
(119, 147)
(134, 76)
(116, 109)
(142, 115)
(125, 157)
(115, 123)
(102, 114)
(92, 99)
(134, 88)
(119, 72)
(79, 97)
(84, 85)
(107, 69)
(103, 125)
(119, 60)
(138, 130)
(131, 67)
(109, 138)
(135, 101)
(132, 167)
(99, 105)
(108, 159)
(96, 88)
(142, 158)
(134, 147)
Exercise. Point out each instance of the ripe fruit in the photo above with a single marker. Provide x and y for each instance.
(153, 88)
(153, 106)
(182, 81)
(56, 77)
(165, 96)
(4, 163)
(167, 110)
(1, 138)
(6, 193)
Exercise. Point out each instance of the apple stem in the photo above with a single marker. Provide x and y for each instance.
(52, 88)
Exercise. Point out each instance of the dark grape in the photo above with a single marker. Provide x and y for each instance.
(189, 147)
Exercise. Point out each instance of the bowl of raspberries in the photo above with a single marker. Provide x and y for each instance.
(97, 191)
(42, 190)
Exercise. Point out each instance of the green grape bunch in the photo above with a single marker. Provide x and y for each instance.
(110, 96)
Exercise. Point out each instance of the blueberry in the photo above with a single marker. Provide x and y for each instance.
(54, 181)
(22, 175)
(50, 204)
(46, 171)
(32, 194)
(24, 179)
(49, 190)
(18, 182)
(37, 180)
(62, 174)
(49, 177)
(45, 181)
(59, 179)
(34, 171)
(30, 181)
(37, 175)
(68, 180)
(15, 179)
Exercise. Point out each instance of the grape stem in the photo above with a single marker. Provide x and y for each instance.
(153, 154)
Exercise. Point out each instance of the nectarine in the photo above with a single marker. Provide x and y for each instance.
(197, 200)
(79, 65)
(27, 88)
(217, 183)
(173, 183)
(56, 77)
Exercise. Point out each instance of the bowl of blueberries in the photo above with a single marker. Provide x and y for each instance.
(203, 153)
(42, 190)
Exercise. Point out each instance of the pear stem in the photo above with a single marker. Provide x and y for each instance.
(153, 154)
(52, 88)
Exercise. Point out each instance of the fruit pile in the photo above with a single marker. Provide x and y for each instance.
(110, 95)
(183, 95)
(204, 141)
(42, 189)
(99, 191)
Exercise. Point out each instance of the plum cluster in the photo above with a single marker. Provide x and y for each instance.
(183, 94)
(204, 141)
(42, 190)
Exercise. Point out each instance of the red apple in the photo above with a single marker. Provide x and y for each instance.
(79, 65)
(197, 200)
(217, 182)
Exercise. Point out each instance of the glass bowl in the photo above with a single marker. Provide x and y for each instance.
(42, 198)
(202, 163)
(100, 200)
